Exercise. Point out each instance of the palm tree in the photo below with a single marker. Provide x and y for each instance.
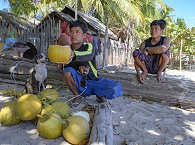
(30, 8)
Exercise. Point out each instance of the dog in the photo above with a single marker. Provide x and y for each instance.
(37, 80)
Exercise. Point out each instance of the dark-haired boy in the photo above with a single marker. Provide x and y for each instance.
(153, 55)
(83, 63)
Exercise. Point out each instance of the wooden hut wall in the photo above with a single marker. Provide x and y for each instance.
(43, 35)
(49, 30)
(3, 29)
(117, 54)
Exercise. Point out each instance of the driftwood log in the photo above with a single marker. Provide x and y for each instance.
(102, 130)
(25, 68)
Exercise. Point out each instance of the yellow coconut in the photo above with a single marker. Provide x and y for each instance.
(50, 126)
(8, 114)
(28, 106)
(77, 130)
(59, 54)
(49, 95)
(62, 109)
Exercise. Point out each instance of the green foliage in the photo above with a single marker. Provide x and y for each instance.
(140, 13)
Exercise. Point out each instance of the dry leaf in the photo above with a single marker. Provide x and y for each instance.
(124, 142)
(178, 105)
(136, 97)
(191, 110)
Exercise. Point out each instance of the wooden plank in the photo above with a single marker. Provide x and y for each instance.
(12, 82)
(102, 130)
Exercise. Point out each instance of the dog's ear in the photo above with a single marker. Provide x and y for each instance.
(43, 56)
(36, 58)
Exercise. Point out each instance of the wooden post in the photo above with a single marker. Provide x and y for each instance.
(105, 40)
(180, 57)
(102, 130)
(127, 44)
(76, 10)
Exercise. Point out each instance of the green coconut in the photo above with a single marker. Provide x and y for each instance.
(47, 110)
(62, 109)
(8, 114)
(49, 95)
(50, 126)
(28, 106)
(77, 130)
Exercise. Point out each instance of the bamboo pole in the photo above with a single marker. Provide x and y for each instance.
(76, 17)
(180, 57)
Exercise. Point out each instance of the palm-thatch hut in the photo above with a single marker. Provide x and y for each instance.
(20, 23)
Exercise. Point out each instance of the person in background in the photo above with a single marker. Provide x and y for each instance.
(11, 35)
(64, 38)
(153, 55)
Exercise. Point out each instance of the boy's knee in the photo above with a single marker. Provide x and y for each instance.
(165, 56)
(67, 76)
(136, 53)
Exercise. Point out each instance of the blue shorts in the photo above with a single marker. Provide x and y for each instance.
(9, 42)
(103, 87)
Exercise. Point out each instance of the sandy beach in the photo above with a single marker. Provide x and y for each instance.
(135, 121)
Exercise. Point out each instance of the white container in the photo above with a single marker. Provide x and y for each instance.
(82, 114)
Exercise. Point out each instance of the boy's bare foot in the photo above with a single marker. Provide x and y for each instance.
(160, 77)
(141, 77)
(100, 99)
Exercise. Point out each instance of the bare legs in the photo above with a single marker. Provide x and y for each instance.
(164, 60)
(140, 65)
(70, 82)
(72, 86)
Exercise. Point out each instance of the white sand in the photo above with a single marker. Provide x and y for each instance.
(134, 121)
(141, 123)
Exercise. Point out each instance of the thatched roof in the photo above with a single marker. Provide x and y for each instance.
(58, 16)
(19, 22)
(67, 14)
(93, 23)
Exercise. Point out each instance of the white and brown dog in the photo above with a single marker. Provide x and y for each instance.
(37, 80)
(41, 71)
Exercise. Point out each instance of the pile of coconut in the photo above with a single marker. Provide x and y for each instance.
(53, 116)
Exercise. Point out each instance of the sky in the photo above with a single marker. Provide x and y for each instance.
(3, 4)
(183, 9)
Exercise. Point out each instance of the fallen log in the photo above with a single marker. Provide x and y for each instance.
(12, 82)
(22, 66)
(102, 130)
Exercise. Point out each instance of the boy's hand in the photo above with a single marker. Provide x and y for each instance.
(83, 69)
(142, 46)
(150, 52)
(71, 57)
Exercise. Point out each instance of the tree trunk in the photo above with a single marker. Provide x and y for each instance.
(102, 130)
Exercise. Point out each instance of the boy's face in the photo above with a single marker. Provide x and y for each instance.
(77, 35)
(155, 31)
